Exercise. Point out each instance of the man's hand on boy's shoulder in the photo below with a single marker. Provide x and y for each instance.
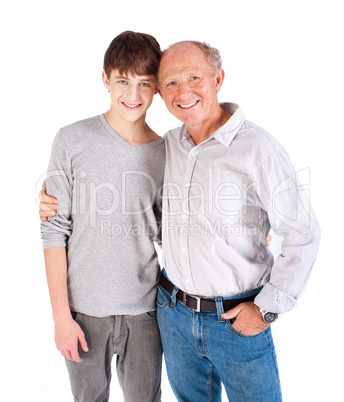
(48, 205)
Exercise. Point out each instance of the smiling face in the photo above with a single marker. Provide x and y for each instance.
(189, 85)
(131, 95)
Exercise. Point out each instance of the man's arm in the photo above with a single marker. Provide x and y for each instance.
(67, 332)
(290, 215)
(281, 195)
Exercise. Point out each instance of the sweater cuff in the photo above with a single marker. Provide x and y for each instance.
(53, 244)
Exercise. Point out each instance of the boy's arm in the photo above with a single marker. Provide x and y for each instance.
(67, 332)
(55, 234)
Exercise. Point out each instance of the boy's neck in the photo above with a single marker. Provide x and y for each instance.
(134, 132)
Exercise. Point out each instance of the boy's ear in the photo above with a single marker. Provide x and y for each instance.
(106, 80)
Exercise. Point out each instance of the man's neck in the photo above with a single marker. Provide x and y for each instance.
(206, 129)
(134, 132)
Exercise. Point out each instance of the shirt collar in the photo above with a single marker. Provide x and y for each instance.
(226, 133)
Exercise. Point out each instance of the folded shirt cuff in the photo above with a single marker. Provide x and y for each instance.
(274, 300)
(53, 243)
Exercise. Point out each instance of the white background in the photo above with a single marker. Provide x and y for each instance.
(284, 66)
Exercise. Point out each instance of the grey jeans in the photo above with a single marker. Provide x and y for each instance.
(135, 340)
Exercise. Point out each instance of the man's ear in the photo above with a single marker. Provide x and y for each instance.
(106, 80)
(219, 78)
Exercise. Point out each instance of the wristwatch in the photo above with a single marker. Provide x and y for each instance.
(267, 316)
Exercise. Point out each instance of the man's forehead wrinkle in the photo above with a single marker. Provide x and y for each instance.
(178, 67)
(177, 70)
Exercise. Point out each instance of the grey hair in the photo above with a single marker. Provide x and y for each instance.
(212, 55)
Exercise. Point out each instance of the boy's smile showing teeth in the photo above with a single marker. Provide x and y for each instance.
(132, 105)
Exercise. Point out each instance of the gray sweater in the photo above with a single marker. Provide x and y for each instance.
(108, 217)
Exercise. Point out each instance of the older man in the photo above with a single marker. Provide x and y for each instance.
(227, 182)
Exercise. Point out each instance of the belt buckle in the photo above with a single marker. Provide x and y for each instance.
(198, 298)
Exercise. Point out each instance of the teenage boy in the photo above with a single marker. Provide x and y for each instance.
(102, 267)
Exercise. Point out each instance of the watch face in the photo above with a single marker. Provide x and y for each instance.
(270, 317)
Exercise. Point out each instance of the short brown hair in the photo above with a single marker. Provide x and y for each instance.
(133, 52)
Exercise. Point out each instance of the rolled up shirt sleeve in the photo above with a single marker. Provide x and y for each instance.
(290, 215)
(56, 230)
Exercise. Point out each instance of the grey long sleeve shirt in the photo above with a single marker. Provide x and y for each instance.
(220, 199)
(108, 218)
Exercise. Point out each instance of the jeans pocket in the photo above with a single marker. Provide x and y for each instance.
(237, 333)
(152, 314)
(163, 298)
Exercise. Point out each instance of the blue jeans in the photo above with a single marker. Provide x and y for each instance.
(202, 350)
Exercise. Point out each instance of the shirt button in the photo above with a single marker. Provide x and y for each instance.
(187, 184)
(194, 154)
(187, 280)
(183, 250)
(185, 217)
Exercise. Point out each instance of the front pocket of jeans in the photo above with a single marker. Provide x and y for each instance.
(152, 314)
(237, 333)
(74, 313)
(161, 300)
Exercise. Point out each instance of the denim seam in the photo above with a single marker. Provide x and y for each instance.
(210, 383)
(205, 344)
(194, 332)
(273, 350)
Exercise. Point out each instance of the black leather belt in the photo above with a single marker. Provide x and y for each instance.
(199, 303)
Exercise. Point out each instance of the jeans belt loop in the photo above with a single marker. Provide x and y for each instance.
(174, 297)
(219, 308)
